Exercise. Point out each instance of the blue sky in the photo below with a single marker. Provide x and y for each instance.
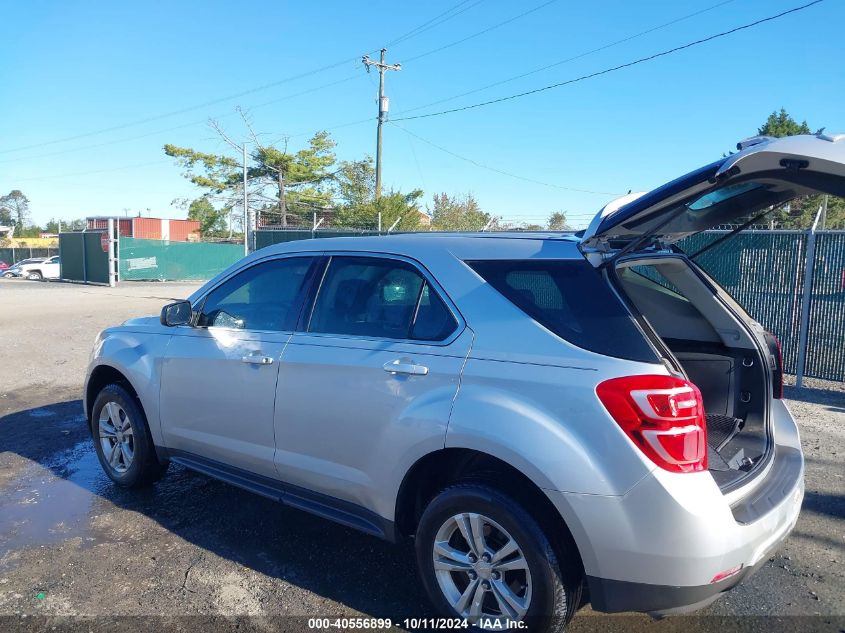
(114, 81)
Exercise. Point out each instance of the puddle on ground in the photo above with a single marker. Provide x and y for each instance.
(52, 502)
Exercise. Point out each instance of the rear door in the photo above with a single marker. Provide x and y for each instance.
(369, 380)
(218, 378)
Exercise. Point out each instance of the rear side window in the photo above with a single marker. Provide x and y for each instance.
(380, 298)
(572, 299)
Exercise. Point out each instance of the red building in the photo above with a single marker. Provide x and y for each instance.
(150, 228)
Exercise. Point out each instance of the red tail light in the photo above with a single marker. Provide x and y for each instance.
(663, 416)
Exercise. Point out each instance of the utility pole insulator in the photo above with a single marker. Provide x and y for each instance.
(383, 105)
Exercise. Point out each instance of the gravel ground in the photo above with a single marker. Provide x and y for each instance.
(71, 544)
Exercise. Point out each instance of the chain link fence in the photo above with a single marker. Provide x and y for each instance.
(765, 272)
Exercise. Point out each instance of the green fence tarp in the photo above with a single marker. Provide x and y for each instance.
(264, 238)
(174, 261)
(83, 257)
(826, 333)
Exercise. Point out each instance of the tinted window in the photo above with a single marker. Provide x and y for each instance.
(266, 296)
(570, 298)
(434, 322)
(380, 298)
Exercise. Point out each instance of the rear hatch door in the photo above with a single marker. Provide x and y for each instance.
(766, 172)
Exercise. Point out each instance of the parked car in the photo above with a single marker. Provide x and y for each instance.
(15, 269)
(554, 419)
(49, 268)
(4, 266)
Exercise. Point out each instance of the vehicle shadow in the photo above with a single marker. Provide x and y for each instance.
(338, 563)
(814, 395)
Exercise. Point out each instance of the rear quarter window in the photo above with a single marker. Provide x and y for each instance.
(571, 299)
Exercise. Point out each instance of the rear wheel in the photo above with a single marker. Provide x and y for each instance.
(34, 276)
(484, 558)
(122, 440)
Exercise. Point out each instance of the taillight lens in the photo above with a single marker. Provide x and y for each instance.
(663, 416)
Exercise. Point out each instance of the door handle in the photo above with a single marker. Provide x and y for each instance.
(256, 359)
(399, 366)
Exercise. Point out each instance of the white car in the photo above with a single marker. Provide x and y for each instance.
(50, 268)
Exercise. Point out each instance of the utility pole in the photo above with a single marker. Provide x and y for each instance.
(824, 213)
(247, 218)
(383, 105)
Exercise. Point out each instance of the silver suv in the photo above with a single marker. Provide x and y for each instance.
(554, 419)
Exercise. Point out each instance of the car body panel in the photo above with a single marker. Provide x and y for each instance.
(548, 423)
(372, 424)
(49, 268)
(137, 353)
(214, 403)
(783, 168)
(678, 527)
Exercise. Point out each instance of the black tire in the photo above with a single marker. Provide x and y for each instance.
(34, 276)
(555, 595)
(145, 467)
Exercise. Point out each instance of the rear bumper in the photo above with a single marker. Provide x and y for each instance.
(658, 548)
(615, 596)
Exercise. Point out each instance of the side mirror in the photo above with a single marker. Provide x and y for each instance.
(178, 313)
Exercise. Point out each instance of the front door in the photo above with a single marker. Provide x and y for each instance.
(218, 378)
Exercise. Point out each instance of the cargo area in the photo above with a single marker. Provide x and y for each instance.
(710, 339)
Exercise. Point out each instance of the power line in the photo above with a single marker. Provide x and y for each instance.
(96, 171)
(483, 31)
(559, 62)
(432, 23)
(500, 171)
(413, 33)
(177, 112)
(606, 71)
(185, 125)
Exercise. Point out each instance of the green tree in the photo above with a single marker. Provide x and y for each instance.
(782, 124)
(457, 213)
(300, 180)
(214, 172)
(557, 222)
(356, 182)
(212, 220)
(57, 225)
(355, 185)
(393, 206)
(16, 205)
(801, 212)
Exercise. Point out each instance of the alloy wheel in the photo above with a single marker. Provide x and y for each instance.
(116, 437)
(481, 569)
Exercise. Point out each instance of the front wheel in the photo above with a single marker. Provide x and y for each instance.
(484, 558)
(34, 276)
(122, 440)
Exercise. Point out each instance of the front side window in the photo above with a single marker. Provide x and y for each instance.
(267, 296)
(379, 298)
